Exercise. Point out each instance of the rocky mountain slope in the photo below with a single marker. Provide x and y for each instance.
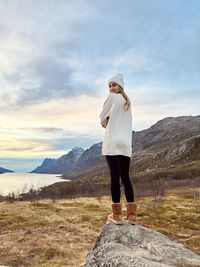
(166, 132)
(65, 164)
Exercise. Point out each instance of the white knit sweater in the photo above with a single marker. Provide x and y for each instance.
(118, 134)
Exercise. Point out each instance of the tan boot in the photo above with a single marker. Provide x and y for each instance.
(116, 216)
(131, 212)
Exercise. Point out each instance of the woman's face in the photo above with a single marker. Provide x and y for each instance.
(114, 87)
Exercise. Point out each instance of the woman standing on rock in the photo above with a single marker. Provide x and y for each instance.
(116, 117)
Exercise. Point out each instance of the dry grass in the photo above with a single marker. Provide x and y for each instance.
(45, 233)
(177, 215)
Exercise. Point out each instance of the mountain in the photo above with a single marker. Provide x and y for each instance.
(166, 132)
(45, 167)
(167, 142)
(89, 158)
(172, 140)
(3, 170)
(64, 164)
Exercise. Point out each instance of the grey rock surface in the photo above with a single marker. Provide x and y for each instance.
(129, 245)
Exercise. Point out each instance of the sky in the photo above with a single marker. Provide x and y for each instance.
(56, 58)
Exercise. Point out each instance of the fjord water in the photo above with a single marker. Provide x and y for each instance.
(22, 182)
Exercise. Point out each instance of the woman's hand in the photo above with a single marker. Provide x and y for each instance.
(105, 122)
(104, 126)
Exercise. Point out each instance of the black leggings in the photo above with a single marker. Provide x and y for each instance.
(119, 166)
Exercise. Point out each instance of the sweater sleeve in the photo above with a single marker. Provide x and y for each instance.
(105, 113)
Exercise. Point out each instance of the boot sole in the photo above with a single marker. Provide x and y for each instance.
(131, 222)
(116, 222)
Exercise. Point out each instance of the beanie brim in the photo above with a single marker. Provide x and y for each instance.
(116, 83)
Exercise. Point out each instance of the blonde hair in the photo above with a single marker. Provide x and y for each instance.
(128, 102)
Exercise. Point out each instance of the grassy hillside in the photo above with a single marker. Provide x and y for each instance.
(60, 233)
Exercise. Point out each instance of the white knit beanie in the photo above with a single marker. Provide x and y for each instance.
(118, 78)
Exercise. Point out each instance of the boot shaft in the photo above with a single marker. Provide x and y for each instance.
(117, 208)
(131, 208)
(116, 215)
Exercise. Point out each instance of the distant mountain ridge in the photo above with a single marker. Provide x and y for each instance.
(3, 170)
(64, 164)
(169, 140)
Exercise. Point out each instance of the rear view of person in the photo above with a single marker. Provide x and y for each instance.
(116, 118)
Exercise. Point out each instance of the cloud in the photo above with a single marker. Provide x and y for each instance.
(43, 129)
(31, 58)
(76, 49)
(155, 94)
(53, 83)
(39, 130)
